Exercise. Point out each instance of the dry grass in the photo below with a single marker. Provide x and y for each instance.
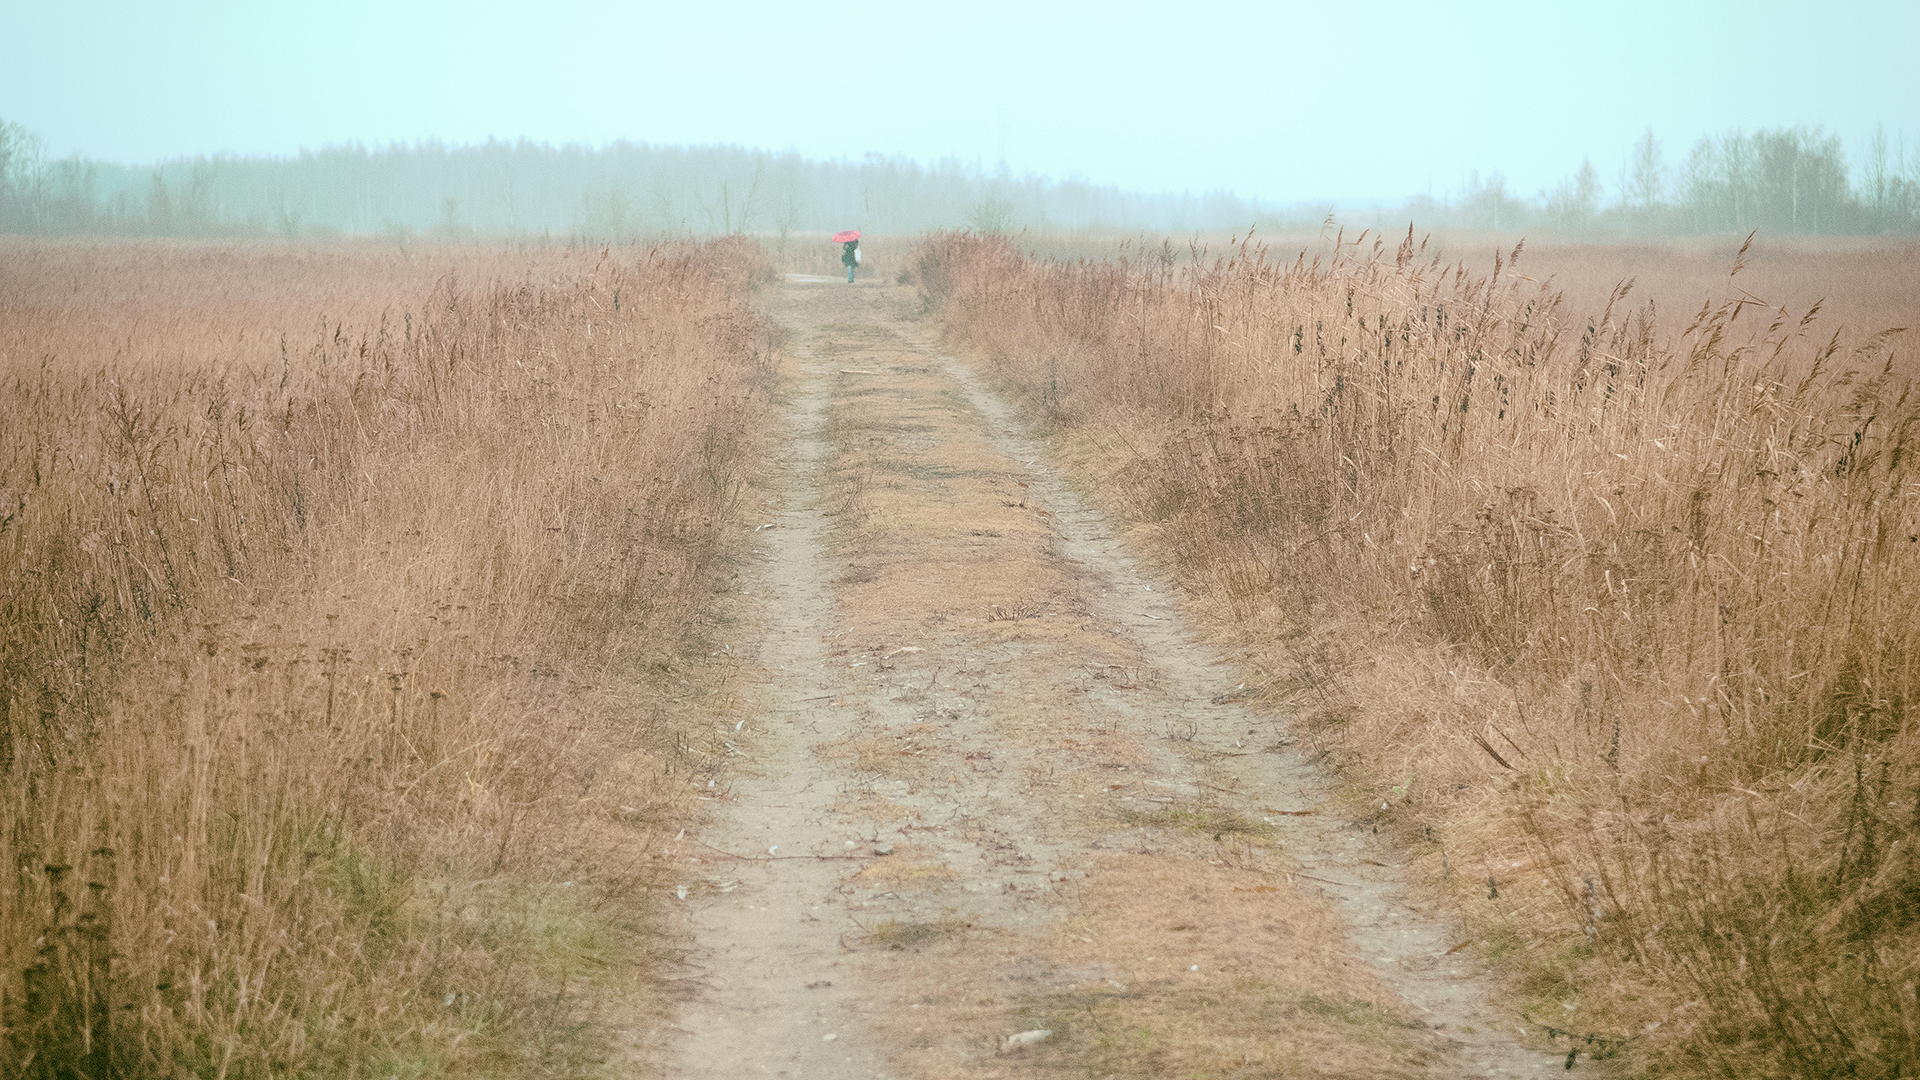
(923, 545)
(1207, 966)
(904, 869)
(1251, 995)
(1613, 614)
(344, 592)
(1863, 284)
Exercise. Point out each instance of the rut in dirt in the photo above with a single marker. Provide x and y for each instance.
(997, 812)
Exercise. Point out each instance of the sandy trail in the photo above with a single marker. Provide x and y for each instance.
(993, 784)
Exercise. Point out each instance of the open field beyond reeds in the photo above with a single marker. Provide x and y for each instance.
(344, 594)
(1607, 612)
(1863, 284)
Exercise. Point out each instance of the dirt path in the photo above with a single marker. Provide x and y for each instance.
(994, 786)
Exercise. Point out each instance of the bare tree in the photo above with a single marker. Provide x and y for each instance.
(1486, 203)
(1576, 201)
(1586, 190)
(23, 178)
(12, 136)
(1647, 178)
(1737, 168)
(792, 208)
(1879, 174)
(1701, 184)
(732, 208)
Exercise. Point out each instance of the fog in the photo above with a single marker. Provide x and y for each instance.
(623, 191)
(623, 118)
(1782, 181)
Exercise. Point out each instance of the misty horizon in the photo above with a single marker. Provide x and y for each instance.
(1904, 155)
(1789, 180)
(1279, 104)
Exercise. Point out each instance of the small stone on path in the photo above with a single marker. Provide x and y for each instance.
(1028, 1038)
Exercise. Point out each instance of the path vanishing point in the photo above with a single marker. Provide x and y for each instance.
(998, 810)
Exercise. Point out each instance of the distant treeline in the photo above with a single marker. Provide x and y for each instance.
(622, 191)
(1786, 180)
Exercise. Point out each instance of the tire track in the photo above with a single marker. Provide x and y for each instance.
(1084, 832)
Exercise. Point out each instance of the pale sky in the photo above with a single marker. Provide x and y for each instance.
(1278, 101)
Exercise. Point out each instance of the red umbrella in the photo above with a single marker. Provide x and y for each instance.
(845, 235)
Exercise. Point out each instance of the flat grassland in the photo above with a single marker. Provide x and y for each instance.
(1605, 609)
(344, 595)
(351, 601)
(1862, 284)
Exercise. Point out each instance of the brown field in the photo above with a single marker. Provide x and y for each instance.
(345, 601)
(357, 604)
(1862, 284)
(1606, 611)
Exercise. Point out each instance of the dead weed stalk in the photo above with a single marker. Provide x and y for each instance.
(342, 592)
(1616, 627)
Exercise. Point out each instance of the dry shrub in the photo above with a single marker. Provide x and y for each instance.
(342, 590)
(1620, 617)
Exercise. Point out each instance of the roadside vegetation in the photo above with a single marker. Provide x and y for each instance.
(346, 596)
(1608, 618)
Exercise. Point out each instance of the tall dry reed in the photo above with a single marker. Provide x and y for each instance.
(343, 594)
(1615, 626)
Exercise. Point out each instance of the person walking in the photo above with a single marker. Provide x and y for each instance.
(850, 257)
(849, 241)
